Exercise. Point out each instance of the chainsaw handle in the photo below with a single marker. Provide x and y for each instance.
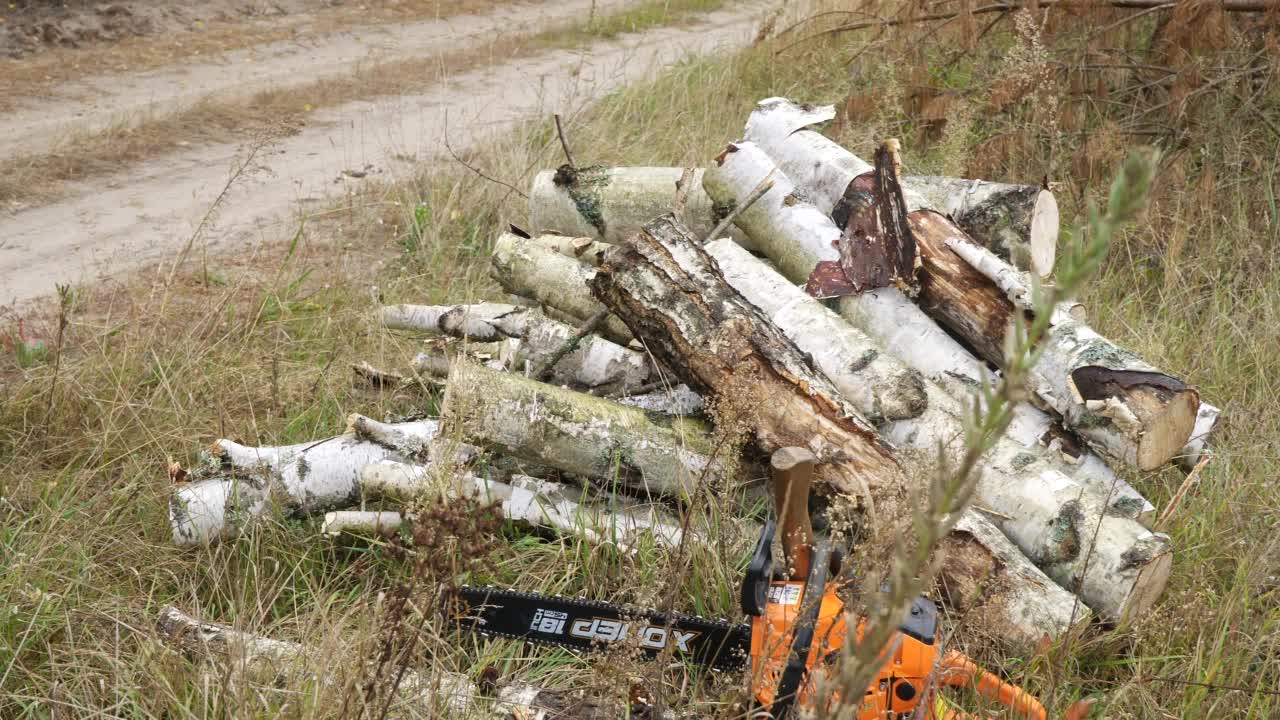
(958, 669)
(797, 667)
(792, 478)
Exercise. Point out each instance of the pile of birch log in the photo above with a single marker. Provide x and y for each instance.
(859, 311)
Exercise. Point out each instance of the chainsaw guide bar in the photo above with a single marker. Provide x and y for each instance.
(581, 624)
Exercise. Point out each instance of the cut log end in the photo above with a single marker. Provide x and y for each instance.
(1043, 237)
(1157, 410)
(1147, 589)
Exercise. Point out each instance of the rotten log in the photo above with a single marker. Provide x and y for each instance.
(301, 479)
(574, 432)
(272, 662)
(672, 295)
(1121, 406)
(574, 512)
(1048, 511)
(529, 336)
(1124, 408)
(611, 204)
(524, 267)
(985, 580)
(370, 523)
(1017, 222)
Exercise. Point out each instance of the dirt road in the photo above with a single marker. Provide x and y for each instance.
(146, 214)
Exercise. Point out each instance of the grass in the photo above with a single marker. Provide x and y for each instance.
(1192, 287)
(280, 111)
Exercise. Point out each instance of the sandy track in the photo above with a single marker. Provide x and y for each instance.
(97, 102)
(147, 214)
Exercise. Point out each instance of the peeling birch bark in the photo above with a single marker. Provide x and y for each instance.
(574, 432)
(302, 479)
(673, 296)
(1003, 596)
(1121, 406)
(539, 503)
(611, 204)
(528, 335)
(1018, 222)
(526, 268)
(1206, 421)
(1051, 510)
(583, 249)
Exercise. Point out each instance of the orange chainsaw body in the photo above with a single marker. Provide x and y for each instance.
(897, 688)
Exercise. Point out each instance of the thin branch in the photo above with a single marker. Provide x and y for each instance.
(1176, 500)
(568, 155)
(472, 168)
(757, 192)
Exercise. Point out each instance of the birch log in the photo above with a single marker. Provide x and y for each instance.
(1124, 408)
(524, 267)
(986, 580)
(673, 296)
(530, 336)
(611, 204)
(302, 479)
(1049, 512)
(272, 661)
(877, 385)
(573, 512)
(1018, 222)
(1121, 406)
(574, 432)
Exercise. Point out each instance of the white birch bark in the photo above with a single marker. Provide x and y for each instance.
(382, 523)
(302, 479)
(540, 503)
(528, 335)
(526, 268)
(1050, 510)
(574, 432)
(610, 204)
(824, 169)
(1206, 420)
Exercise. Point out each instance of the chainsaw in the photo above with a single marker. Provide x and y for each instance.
(797, 629)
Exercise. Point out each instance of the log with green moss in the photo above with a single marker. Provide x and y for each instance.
(573, 432)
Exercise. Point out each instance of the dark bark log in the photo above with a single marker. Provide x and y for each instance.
(673, 297)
